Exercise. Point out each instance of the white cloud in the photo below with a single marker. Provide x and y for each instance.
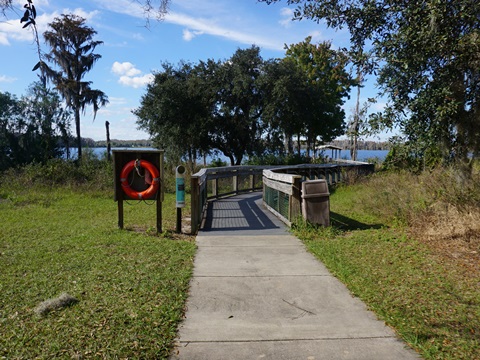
(138, 36)
(13, 30)
(116, 101)
(125, 68)
(189, 35)
(317, 36)
(137, 81)
(129, 75)
(210, 27)
(6, 79)
(4, 39)
(287, 15)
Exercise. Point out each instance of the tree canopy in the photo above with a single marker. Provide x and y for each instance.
(427, 55)
(33, 128)
(72, 51)
(247, 105)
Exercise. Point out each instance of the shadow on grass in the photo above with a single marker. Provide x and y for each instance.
(345, 223)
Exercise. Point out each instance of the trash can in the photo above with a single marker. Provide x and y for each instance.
(316, 202)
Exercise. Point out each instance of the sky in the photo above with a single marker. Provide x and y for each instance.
(134, 48)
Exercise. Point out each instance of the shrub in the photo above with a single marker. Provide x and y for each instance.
(92, 172)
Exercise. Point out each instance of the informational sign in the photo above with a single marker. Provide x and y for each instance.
(180, 186)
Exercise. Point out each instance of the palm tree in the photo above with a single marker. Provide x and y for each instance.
(72, 46)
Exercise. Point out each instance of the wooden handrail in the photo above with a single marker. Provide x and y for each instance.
(286, 179)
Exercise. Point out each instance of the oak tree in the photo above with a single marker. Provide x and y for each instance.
(427, 54)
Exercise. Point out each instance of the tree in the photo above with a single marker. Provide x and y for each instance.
(245, 105)
(10, 115)
(31, 128)
(328, 83)
(5, 4)
(174, 112)
(237, 97)
(285, 88)
(46, 115)
(428, 58)
(212, 106)
(72, 50)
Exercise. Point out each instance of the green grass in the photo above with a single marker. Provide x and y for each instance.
(131, 284)
(430, 303)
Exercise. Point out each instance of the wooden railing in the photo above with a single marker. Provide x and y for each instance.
(213, 183)
(282, 194)
(281, 185)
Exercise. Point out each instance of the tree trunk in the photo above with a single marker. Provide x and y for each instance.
(79, 137)
(356, 121)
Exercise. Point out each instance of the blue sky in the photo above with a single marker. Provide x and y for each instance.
(192, 30)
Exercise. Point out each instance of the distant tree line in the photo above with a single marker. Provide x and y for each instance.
(363, 144)
(125, 143)
(33, 128)
(246, 105)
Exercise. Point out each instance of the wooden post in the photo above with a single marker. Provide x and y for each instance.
(295, 199)
(120, 213)
(195, 204)
(215, 187)
(178, 228)
(159, 212)
(235, 184)
(109, 146)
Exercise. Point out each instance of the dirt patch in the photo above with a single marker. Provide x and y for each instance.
(453, 234)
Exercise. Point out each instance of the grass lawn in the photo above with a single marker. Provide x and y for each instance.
(431, 302)
(131, 285)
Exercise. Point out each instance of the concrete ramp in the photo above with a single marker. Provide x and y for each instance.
(256, 293)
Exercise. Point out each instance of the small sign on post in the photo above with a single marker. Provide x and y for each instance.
(180, 186)
(180, 194)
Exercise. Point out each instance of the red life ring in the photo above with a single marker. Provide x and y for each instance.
(135, 164)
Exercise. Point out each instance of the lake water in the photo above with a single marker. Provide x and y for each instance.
(363, 155)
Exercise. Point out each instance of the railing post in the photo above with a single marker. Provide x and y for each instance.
(235, 184)
(215, 188)
(295, 199)
(195, 205)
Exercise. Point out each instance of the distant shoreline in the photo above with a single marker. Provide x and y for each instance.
(362, 155)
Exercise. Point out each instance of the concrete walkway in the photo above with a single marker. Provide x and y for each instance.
(257, 294)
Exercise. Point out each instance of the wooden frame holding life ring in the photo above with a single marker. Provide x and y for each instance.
(151, 190)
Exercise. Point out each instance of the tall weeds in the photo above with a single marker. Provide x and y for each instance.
(403, 196)
(91, 173)
(437, 209)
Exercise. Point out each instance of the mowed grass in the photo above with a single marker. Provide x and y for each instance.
(131, 284)
(430, 302)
